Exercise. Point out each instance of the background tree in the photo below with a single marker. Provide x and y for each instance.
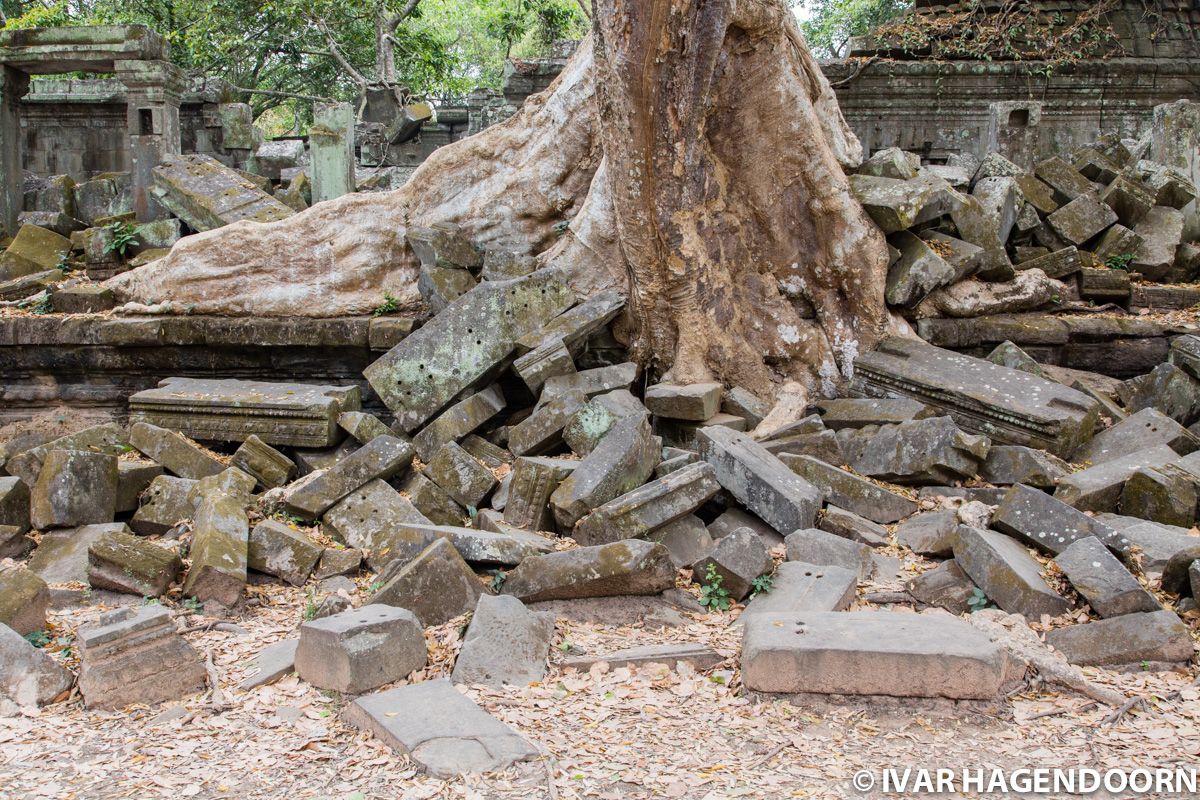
(831, 23)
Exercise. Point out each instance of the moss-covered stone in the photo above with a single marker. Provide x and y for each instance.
(121, 562)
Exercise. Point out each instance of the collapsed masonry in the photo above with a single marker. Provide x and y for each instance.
(525, 472)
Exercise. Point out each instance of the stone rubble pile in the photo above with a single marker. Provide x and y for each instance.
(527, 471)
(978, 237)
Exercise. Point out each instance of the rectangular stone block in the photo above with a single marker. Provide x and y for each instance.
(1109, 588)
(459, 347)
(1007, 573)
(220, 551)
(384, 457)
(1038, 519)
(1099, 488)
(369, 518)
(1131, 640)
(851, 492)
(759, 480)
(296, 414)
(649, 507)
(458, 421)
(206, 194)
(1007, 405)
(797, 587)
(534, 479)
(871, 653)
(814, 546)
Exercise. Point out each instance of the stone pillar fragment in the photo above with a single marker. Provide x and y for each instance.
(153, 91)
(1175, 141)
(14, 84)
(331, 142)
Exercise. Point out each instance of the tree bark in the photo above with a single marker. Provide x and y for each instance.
(696, 151)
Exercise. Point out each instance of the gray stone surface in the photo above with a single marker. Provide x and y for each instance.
(506, 643)
(648, 507)
(733, 518)
(1161, 230)
(462, 476)
(1168, 494)
(823, 446)
(871, 653)
(382, 458)
(812, 546)
(360, 649)
(1007, 573)
(927, 451)
(851, 526)
(24, 597)
(548, 360)
(440, 729)
(362, 426)
(459, 420)
(859, 412)
(1157, 637)
(693, 401)
(1169, 389)
(698, 656)
(269, 467)
(272, 663)
(592, 382)
(369, 519)
(629, 567)
(931, 533)
(133, 478)
(62, 556)
(230, 410)
(745, 404)
(1009, 355)
(29, 677)
(945, 586)
(220, 544)
(122, 562)
(136, 656)
(1009, 464)
(206, 194)
(1109, 588)
(171, 449)
(108, 438)
(534, 480)
(14, 503)
(1038, 519)
(276, 549)
(165, 503)
(337, 561)
(1008, 406)
(799, 587)
(759, 480)
(851, 492)
(477, 546)
(1146, 428)
(542, 430)
(621, 462)
(74, 488)
(437, 585)
(918, 271)
(418, 377)
(1098, 488)
(1175, 574)
(432, 500)
(1155, 543)
(592, 422)
(1082, 218)
(686, 539)
(738, 559)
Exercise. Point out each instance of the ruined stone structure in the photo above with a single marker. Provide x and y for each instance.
(138, 58)
(930, 98)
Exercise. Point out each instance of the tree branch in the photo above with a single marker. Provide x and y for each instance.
(335, 53)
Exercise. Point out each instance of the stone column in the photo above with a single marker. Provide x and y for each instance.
(331, 144)
(13, 86)
(1175, 141)
(1014, 131)
(153, 90)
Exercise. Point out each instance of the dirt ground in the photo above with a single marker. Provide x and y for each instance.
(647, 733)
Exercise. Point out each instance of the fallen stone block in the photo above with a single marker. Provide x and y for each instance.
(1009, 355)
(851, 492)
(859, 412)
(439, 729)
(310, 461)
(1007, 573)
(360, 649)
(649, 507)
(1168, 494)
(444, 245)
(592, 382)
(978, 226)
(275, 549)
(437, 585)
(1161, 230)
(270, 664)
(548, 360)
(173, 451)
(945, 586)
(458, 420)
(477, 546)
(686, 539)
(1170, 390)
(29, 677)
(738, 559)
(1040, 520)
(439, 287)
(74, 488)
(1009, 406)
(927, 451)
(1064, 179)
(220, 544)
(694, 401)
(851, 526)
(732, 519)
(418, 377)
(461, 475)
(919, 270)
(122, 562)
(621, 462)
(14, 543)
(1155, 637)
(1155, 543)
(133, 478)
(206, 194)
(871, 653)
(931, 533)
(432, 501)
(337, 561)
(896, 205)
(534, 480)
(1109, 588)
(891, 162)
(593, 422)
(629, 567)
(812, 546)
(62, 555)
(1146, 428)
(34, 249)
(165, 503)
(270, 467)
(295, 414)
(84, 299)
(759, 480)
(682, 434)
(797, 587)
(823, 446)
(1185, 353)
(697, 656)
(742, 403)
(362, 426)
(1082, 218)
(578, 324)
(1117, 241)
(136, 656)
(369, 519)
(24, 597)
(1010, 464)
(14, 503)
(382, 458)
(1099, 488)
(542, 430)
(506, 643)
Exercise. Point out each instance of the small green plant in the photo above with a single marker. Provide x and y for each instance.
(498, 578)
(191, 604)
(374, 587)
(124, 237)
(561, 227)
(1119, 261)
(713, 595)
(310, 604)
(64, 263)
(149, 601)
(977, 601)
(761, 585)
(290, 519)
(390, 305)
(37, 638)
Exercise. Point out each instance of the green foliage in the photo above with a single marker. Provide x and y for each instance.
(498, 578)
(713, 595)
(192, 604)
(38, 638)
(762, 585)
(1119, 261)
(38, 304)
(831, 23)
(124, 236)
(977, 601)
(310, 604)
(390, 305)
(374, 587)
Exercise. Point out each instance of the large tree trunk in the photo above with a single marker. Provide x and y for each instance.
(695, 149)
